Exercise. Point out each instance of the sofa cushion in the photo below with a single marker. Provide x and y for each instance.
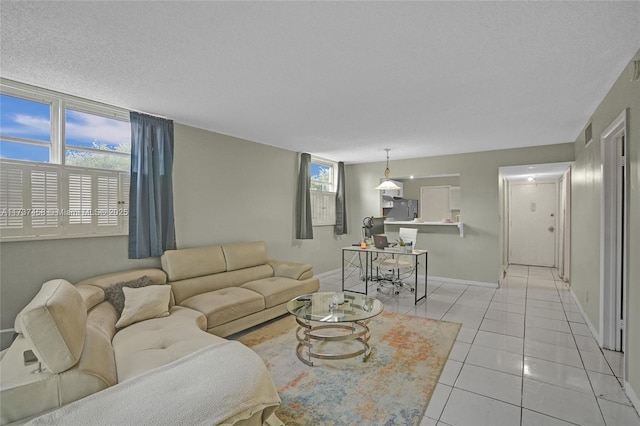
(144, 303)
(294, 270)
(25, 394)
(107, 280)
(91, 295)
(194, 262)
(103, 318)
(115, 295)
(225, 305)
(278, 290)
(55, 323)
(184, 289)
(150, 344)
(245, 255)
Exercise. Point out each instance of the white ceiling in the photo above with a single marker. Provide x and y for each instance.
(343, 80)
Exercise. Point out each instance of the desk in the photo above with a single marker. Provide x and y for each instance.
(372, 253)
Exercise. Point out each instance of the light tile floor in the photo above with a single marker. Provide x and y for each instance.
(524, 355)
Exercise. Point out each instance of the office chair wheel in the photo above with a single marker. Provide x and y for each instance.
(396, 292)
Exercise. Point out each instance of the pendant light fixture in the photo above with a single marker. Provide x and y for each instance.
(387, 184)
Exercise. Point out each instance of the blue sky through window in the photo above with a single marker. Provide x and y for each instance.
(88, 130)
(319, 171)
(24, 119)
(31, 120)
(21, 151)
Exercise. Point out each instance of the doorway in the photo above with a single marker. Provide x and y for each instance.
(613, 228)
(533, 213)
(558, 174)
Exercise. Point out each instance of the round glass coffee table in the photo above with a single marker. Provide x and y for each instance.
(333, 317)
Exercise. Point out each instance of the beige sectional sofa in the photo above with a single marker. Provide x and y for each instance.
(215, 292)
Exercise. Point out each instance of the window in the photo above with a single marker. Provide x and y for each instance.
(25, 129)
(96, 141)
(323, 191)
(322, 176)
(64, 165)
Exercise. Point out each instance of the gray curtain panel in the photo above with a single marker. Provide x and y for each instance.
(304, 227)
(151, 222)
(341, 202)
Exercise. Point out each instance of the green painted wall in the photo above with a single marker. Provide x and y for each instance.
(225, 190)
(585, 226)
(477, 257)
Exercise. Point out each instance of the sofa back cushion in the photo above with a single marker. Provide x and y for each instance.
(245, 255)
(103, 282)
(200, 270)
(185, 289)
(91, 295)
(194, 262)
(55, 323)
(157, 276)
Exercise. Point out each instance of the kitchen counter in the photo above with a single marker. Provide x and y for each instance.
(412, 223)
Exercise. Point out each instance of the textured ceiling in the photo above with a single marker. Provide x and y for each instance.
(343, 80)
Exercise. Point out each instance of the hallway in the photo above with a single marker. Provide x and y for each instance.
(524, 355)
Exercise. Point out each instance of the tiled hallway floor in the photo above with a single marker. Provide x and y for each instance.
(524, 355)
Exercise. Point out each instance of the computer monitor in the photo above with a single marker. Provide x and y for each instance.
(373, 226)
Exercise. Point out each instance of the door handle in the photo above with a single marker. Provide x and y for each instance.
(551, 228)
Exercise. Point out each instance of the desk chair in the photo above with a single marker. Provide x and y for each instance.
(391, 267)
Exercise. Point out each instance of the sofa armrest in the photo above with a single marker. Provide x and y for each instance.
(293, 270)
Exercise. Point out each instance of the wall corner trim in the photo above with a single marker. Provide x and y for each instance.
(592, 328)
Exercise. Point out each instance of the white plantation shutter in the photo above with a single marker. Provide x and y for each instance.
(80, 199)
(125, 184)
(11, 201)
(107, 213)
(323, 208)
(44, 199)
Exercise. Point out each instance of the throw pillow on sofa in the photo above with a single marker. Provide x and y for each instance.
(144, 303)
(115, 295)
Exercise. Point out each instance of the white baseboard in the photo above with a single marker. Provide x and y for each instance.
(593, 329)
(431, 277)
(465, 282)
(8, 330)
(633, 397)
(326, 274)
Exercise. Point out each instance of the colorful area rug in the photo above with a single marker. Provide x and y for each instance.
(392, 388)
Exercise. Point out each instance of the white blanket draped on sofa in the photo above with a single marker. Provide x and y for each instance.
(186, 391)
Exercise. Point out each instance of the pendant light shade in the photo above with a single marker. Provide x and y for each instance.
(387, 184)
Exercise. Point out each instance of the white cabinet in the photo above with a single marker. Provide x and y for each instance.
(387, 202)
(393, 192)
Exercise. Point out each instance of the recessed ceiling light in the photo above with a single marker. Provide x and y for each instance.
(531, 178)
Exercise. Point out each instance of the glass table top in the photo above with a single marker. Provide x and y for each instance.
(335, 307)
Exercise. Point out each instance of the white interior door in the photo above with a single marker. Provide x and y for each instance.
(613, 225)
(532, 223)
